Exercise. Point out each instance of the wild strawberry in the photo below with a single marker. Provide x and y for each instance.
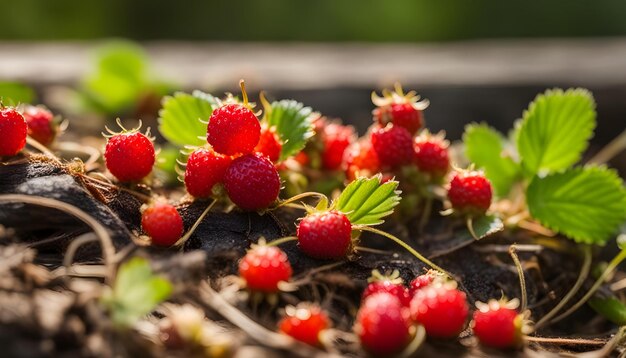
(336, 139)
(13, 131)
(263, 267)
(497, 324)
(383, 324)
(325, 235)
(441, 309)
(162, 222)
(304, 322)
(431, 155)
(393, 145)
(470, 193)
(129, 155)
(390, 284)
(360, 160)
(204, 169)
(41, 126)
(403, 110)
(269, 144)
(420, 282)
(252, 182)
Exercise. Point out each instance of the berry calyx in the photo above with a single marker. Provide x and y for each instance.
(498, 324)
(393, 145)
(383, 324)
(269, 144)
(41, 126)
(129, 155)
(13, 131)
(163, 223)
(470, 193)
(252, 182)
(419, 282)
(391, 284)
(204, 169)
(404, 110)
(431, 155)
(304, 322)
(233, 128)
(441, 308)
(263, 267)
(360, 159)
(325, 235)
(336, 138)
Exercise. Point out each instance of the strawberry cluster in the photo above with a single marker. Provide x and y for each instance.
(18, 123)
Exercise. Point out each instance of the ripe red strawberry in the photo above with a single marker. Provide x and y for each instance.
(419, 282)
(263, 267)
(336, 139)
(498, 324)
(204, 169)
(470, 193)
(403, 110)
(269, 144)
(431, 155)
(13, 131)
(162, 222)
(252, 182)
(383, 324)
(361, 160)
(233, 129)
(304, 322)
(41, 126)
(393, 145)
(129, 156)
(325, 235)
(441, 309)
(390, 284)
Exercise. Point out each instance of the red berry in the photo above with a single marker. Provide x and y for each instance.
(393, 145)
(264, 267)
(129, 156)
(336, 138)
(233, 129)
(252, 182)
(304, 323)
(205, 168)
(420, 282)
(383, 324)
(441, 309)
(388, 286)
(41, 125)
(404, 115)
(13, 131)
(269, 144)
(360, 160)
(497, 326)
(431, 156)
(325, 235)
(162, 222)
(470, 193)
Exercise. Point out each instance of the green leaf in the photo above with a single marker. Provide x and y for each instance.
(366, 201)
(586, 204)
(555, 129)
(293, 123)
(484, 147)
(137, 291)
(13, 93)
(610, 308)
(487, 225)
(181, 116)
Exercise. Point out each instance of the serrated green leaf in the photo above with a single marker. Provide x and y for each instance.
(181, 115)
(487, 225)
(13, 93)
(555, 129)
(610, 308)
(136, 292)
(586, 204)
(293, 124)
(484, 146)
(366, 201)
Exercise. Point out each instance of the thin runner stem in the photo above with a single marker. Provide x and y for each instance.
(282, 241)
(522, 279)
(300, 196)
(610, 150)
(187, 235)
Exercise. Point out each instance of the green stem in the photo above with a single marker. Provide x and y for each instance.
(186, 237)
(282, 241)
(582, 276)
(300, 196)
(470, 228)
(522, 279)
(405, 246)
(609, 269)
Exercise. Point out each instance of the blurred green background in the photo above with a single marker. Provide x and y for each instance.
(317, 20)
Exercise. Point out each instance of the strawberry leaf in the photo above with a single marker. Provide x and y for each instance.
(484, 146)
(487, 225)
(555, 129)
(366, 201)
(181, 115)
(14, 93)
(293, 123)
(586, 204)
(136, 292)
